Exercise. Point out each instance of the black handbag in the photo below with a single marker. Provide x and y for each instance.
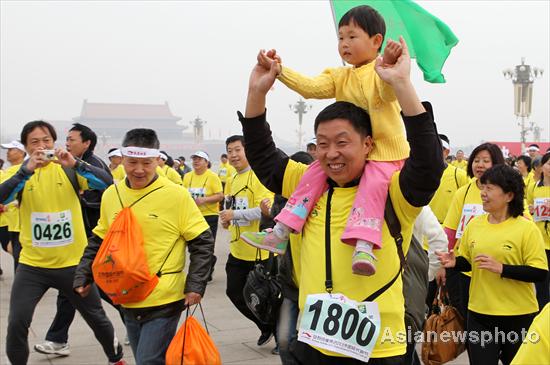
(262, 291)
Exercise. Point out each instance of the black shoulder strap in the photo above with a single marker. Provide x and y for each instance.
(328, 254)
(71, 174)
(394, 226)
(466, 193)
(456, 180)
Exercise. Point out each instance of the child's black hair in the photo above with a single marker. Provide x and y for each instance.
(365, 18)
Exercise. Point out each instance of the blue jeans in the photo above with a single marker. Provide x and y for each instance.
(150, 340)
(286, 329)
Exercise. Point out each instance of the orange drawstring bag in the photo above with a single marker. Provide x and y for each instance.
(192, 345)
(120, 267)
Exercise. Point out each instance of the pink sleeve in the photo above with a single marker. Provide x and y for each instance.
(451, 236)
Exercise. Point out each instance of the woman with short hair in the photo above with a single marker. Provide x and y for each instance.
(505, 253)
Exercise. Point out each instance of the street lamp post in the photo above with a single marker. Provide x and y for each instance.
(198, 129)
(522, 77)
(300, 108)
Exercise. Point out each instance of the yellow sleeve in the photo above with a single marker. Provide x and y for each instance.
(530, 193)
(186, 179)
(533, 248)
(263, 193)
(455, 211)
(384, 90)
(229, 181)
(215, 184)
(536, 347)
(320, 87)
(293, 173)
(461, 177)
(191, 222)
(82, 182)
(174, 176)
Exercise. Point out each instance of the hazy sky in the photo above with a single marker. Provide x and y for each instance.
(197, 56)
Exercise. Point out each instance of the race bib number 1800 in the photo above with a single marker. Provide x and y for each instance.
(335, 323)
(52, 229)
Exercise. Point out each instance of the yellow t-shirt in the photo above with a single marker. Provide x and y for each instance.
(529, 179)
(51, 217)
(452, 179)
(11, 215)
(312, 259)
(516, 241)
(295, 242)
(225, 171)
(204, 185)
(167, 216)
(463, 165)
(539, 198)
(248, 193)
(170, 174)
(118, 173)
(363, 87)
(535, 350)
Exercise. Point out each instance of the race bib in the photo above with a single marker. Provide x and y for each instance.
(542, 209)
(222, 172)
(197, 192)
(469, 212)
(52, 229)
(335, 323)
(241, 203)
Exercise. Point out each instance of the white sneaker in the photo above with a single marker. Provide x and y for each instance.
(53, 348)
(126, 341)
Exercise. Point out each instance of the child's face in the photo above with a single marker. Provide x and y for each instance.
(356, 46)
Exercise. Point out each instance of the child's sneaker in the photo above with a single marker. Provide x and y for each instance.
(363, 263)
(266, 240)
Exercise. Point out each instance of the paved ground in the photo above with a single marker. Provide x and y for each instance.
(234, 335)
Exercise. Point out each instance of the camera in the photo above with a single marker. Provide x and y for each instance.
(49, 154)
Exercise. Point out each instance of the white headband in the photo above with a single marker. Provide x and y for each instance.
(139, 152)
(163, 156)
(445, 145)
(114, 153)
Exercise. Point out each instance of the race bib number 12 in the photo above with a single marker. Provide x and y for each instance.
(335, 323)
(542, 209)
(52, 229)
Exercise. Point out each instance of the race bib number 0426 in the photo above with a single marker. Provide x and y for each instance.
(335, 323)
(52, 229)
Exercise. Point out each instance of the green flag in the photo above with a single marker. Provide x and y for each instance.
(428, 38)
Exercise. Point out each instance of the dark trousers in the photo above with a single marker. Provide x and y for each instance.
(432, 292)
(212, 221)
(307, 355)
(59, 329)
(16, 249)
(505, 346)
(543, 287)
(4, 237)
(237, 270)
(458, 287)
(29, 285)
